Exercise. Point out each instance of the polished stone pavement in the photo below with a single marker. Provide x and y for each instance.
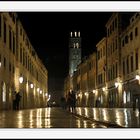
(85, 117)
(44, 118)
(123, 117)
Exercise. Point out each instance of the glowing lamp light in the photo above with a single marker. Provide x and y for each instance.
(116, 84)
(75, 34)
(40, 91)
(94, 91)
(103, 88)
(46, 94)
(0, 64)
(85, 93)
(37, 89)
(31, 85)
(137, 77)
(21, 79)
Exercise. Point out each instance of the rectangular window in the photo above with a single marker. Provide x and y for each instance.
(108, 32)
(111, 49)
(98, 55)
(124, 67)
(127, 64)
(4, 62)
(136, 57)
(10, 67)
(23, 37)
(113, 72)
(13, 44)
(5, 32)
(132, 64)
(116, 69)
(108, 75)
(13, 69)
(116, 44)
(113, 26)
(0, 25)
(23, 57)
(101, 78)
(131, 36)
(0, 61)
(10, 38)
(104, 50)
(115, 22)
(20, 31)
(20, 55)
(136, 31)
(126, 39)
(123, 43)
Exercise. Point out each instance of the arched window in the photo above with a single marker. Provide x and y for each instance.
(77, 45)
(3, 92)
(124, 97)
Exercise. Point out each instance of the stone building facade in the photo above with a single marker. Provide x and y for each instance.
(21, 69)
(115, 77)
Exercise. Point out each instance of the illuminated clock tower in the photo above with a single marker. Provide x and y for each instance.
(74, 53)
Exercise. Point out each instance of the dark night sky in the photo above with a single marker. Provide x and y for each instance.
(49, 34)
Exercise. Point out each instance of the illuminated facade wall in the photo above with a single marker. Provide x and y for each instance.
(91, 77)
(101, 73)
(116, 76)
(66, 86)
(84, 81)
(130, 61)
(113, 71)
(19, 60)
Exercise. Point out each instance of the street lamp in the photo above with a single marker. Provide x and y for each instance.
(86, 93)
(116, 84)
(94, 91)
(137, 77)
(40, 91)
(103, 88)
(31, 85)
(21, 79)
(37, 89)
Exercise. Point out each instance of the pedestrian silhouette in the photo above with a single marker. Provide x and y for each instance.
(14, 100)
(63, 102)
(69, 101)
(73, 101)
(18, 97)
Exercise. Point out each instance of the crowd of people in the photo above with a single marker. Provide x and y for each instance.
(69, 102)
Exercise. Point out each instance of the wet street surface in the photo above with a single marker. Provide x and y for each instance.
(123, 117)
(56, 117)
(44, 118)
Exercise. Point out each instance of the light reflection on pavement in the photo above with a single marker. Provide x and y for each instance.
(121, 116)
(43, 118)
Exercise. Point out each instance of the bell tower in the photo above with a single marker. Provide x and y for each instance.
(74, 52)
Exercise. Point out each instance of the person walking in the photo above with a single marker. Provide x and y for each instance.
(73, 101)
(63, 102)
(69, 101)
(18, 98)
(14, 100)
